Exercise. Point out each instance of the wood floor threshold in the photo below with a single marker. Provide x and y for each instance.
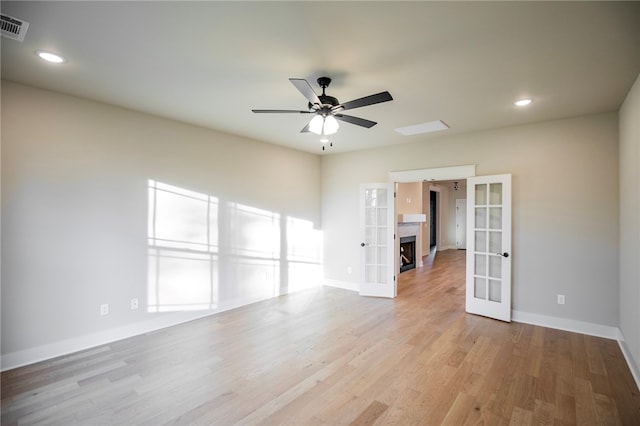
(330, 357)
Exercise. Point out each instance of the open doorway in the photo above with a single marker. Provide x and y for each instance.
(437, 236)
(439, 190)
(433, 219)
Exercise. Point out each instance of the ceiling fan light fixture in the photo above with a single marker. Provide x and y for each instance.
(323, 126)
(330, 125)
(316, 124)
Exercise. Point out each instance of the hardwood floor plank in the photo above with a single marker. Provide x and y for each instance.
(521, 417)
(328, 356)
(585, 403)
(565, 409)
(370, 414)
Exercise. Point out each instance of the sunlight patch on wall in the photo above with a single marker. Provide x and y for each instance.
(304, 254)
(206, 253)
(183, 249)
(254, 264)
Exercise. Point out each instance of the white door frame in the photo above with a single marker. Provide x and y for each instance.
(430, 175)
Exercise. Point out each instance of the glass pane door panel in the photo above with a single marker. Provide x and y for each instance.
(371, 255)
(481, 264)
(495, 242)
(495, 266)
(382, 236)
(495, 290)
(382, 216)
(495, 194)
(480, 291)
(370, 234)
(370, 217)
(382, 272)
(481, 218)
(481, 241)
(370, 198)
(481, 195)
(495, 217)
(382, 199)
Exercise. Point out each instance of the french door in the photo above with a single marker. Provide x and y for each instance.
(377, 224)
(489, 257)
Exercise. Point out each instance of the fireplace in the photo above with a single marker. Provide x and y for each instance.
(407, 253)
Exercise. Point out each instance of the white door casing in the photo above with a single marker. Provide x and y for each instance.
(378, 226)
(488, 281)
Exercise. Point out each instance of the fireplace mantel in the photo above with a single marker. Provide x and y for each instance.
(412, 218)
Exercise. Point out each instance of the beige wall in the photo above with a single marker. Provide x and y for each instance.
(75, 213)
(409, 198)
(630, 224)
(565, 207)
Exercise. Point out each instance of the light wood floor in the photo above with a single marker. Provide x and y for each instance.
(329, 356)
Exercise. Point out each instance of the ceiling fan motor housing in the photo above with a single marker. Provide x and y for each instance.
(325, 99)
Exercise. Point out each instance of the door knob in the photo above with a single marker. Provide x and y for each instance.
(505, 254)
(363, 244)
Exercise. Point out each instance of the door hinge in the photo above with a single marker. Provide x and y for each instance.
(394, 194)
(394, 278)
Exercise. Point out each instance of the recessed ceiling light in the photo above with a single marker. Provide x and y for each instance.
(50, 57)
(523, 102)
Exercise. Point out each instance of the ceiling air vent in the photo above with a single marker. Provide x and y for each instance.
(13, 28)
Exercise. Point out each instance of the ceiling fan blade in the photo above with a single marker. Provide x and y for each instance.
(305, 129)
(305, 88)
(367, 100)
(261, 111)
(355, 120)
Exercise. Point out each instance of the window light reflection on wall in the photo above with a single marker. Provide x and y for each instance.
(207, 254)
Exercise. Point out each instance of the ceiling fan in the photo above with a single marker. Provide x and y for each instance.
(327, 109)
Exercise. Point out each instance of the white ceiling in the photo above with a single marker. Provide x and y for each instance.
(210, 63)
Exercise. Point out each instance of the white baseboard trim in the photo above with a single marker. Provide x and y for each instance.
(64, 347)
(345, 285)
(635, 370)
(565, 324)
(21, 358)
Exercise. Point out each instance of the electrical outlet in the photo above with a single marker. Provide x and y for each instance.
(134, 304)
(104, 309)
(561, 299)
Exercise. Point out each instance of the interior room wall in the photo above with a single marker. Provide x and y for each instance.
(630, 225)
(75, 221)
(565, 207)
(408, 198)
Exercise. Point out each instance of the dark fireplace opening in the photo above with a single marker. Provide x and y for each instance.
(407, 253)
